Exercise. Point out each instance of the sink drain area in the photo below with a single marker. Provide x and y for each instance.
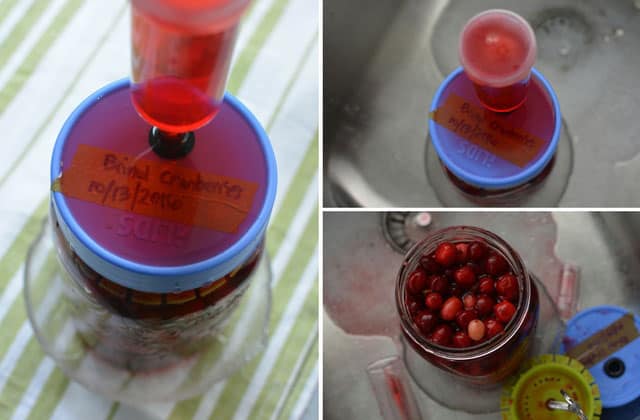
(403, 229)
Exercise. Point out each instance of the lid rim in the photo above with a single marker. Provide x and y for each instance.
(144, 277)
(496, 183)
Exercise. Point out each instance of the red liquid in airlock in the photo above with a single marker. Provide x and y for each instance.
(496, 52)
(179, 78)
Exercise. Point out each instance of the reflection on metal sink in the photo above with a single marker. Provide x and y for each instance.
(384, 60)
(359, 275)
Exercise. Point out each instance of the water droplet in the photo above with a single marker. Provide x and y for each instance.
(564, 51)
(619, 32)
(636, 3)
(606, 38)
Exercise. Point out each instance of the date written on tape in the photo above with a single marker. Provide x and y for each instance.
(157, 189)
(488, 130)
(605, 342)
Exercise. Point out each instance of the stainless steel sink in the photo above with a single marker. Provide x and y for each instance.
(359, 274)
(383, 61)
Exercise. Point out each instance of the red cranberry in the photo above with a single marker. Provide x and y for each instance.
(462, 253)
(507, 287)
(465, 277)
(493, 327)
(450, 308)
(442, 335)
(477, 251)
(504, 311)
(476, 330)
(446, 254)
(469, 301)
(414, 305)
(496, 264)
(464, 317)
(429, 264)
(475, 267)
(425, 321)
(417, 282)
(485, 285)
(439, 284)
(461, 340)
(433, 301)
(484, 304)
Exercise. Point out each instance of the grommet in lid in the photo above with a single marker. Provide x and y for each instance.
(154, 224)
(606, 339)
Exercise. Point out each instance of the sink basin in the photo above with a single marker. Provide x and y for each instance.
(384, 60)
(360, 266)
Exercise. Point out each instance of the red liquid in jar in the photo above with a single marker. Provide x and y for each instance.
(179, 77)
(496, 51)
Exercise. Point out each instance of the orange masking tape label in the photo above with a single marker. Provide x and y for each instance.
(488, 130)
(157, 189)
(605, 342)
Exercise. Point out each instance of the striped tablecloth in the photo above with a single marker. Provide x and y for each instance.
(53, 53)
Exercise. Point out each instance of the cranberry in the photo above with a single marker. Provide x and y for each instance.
(476, 330)
(417, 282)
(493, 327)
(486, 285)
(425, 321)
(484, 304)
(462, 253)
(450, 308)
(477, 251)
(442, 334)
(496, 264)
(461, 339)
(464, 317)
(439, 284)
(504, 311)
(475, 267)
(433, 301)
(414, 305)
(507, 287)
(446, 254)
(430, 265)
(469, 301)
(465, 277)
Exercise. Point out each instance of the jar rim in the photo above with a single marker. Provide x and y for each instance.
(479, 350)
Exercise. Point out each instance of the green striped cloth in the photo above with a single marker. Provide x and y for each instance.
(54, 53)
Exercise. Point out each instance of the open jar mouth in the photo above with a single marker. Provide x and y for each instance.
(457, 234)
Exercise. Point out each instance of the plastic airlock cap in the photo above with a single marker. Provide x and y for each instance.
(497, 48)
(606, 338)
(526, 396)
(153, 224)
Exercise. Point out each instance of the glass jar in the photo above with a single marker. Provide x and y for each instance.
(162, 262)
(491, 361)
(146, 331)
